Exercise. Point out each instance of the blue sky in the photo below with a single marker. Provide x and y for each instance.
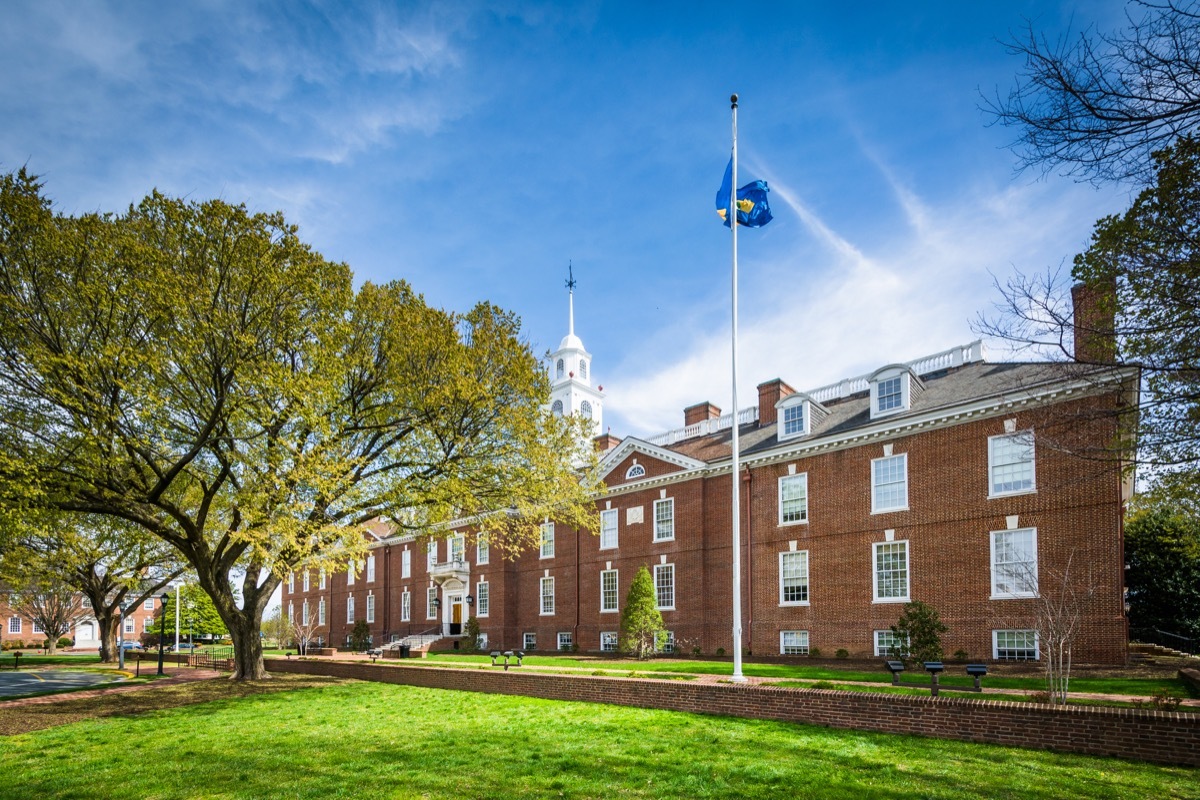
(474, 149)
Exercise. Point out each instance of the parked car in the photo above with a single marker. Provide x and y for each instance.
(183, 647)
(130, 645)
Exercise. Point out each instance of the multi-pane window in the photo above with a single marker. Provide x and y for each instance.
(431, 603)
(1014, 563)
(147, 623)
(890, 394)
(405, 606)
(668, 642)
(793, 420)
(483, 550)
(37, 627)
(350, 610)
(370, 608)
(793, 499)
(608, 641)
(321, 612)
(547, 595)
(889, 483)
(564, 641)
(87, 603)
(351, 568)
(608, 590)
(664, 586)
(304, 613)
(664, 519)
(291, 583)
(891, 571)
(608, 528)
(1010, 461)
(889, 644)
(14, 624)
(529, 640)
(458, 548)
(406, 564)
(483, 599)
(1015, 645)
(148, 604)
(291, 612)
(793, 643)
(321, 580)
(307, 581)
(585, 410)
(431, 554)
(583, 370)
(370, 568)
(130, 626)
(793, 578)
(547, 548)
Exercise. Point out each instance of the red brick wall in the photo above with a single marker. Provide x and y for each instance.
(1169, 738)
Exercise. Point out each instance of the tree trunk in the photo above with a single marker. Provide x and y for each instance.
(51, 645)
(108, 635)
(247, 651)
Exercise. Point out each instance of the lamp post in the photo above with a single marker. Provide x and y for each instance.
(162, 630)
(191, 621)
(437, 611)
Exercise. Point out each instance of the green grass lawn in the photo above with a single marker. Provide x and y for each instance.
(954, 676)
(364, 740)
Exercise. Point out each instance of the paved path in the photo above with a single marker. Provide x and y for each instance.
(14, 683)
(174, 676)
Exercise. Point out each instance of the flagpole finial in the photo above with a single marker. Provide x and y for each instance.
(733, 100)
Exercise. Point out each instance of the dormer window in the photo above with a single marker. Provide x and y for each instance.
(561, 369)
(797, 414)
(583, 370)
(892, 390)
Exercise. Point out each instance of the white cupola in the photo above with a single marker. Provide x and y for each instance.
(571, 390)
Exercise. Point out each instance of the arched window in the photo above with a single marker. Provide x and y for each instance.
(585, 409)
(583, 370)
(635, 471)
(557, 407)
(561, 368)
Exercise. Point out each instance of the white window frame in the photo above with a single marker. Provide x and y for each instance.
(483, 599)
(793, 643)
(609, 641)
(37, 627)
(130, 625)
(546, 548)
(660, 586)
(565, 638)
(801, 575)
(529, 641)
(664, 527)
(304, 612)
(614, 607)
(546, 596)
(291, 611)
(610, 519)
(876, 485)
(371, 568)
(431, 610)
(1006, 439)
(148, 604)
(905, 380)
(1023, 573)
(306, 581)
(799, 479)
(456, 548)
(291, 583)
(635, 471)
(431, 554)
(883, 650)
(370, 608)
(147, 623)
(406, 606)
(1037, 644)
(786, 412)
(351, 568)
(668, 642)
(349, 609)
(14, 624)
(406, 563)
(322, 579)
(483, 550)
(876, 547)
(321, 612)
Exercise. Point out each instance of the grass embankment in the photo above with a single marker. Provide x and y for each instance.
(306, 737)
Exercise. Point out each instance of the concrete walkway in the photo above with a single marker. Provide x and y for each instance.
(173, 676)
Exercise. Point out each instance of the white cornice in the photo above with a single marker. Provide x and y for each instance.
(633, 444)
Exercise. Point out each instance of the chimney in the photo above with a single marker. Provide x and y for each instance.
(605, 442)
(769, 394)
(1095, 321)
(699, 413)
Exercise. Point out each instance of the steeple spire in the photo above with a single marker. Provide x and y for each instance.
(570, 300)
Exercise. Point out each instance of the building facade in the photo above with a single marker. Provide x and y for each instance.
(964, 484)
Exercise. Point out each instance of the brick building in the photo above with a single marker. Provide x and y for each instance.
(948, 479)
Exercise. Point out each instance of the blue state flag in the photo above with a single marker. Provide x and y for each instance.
(753, 210)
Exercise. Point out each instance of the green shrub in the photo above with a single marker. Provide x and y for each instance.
(814, 652)
(823, 685)
(920, 626)
(842, 653)
(961, 655)
(66, 641)
(720, 651)
(470, 640)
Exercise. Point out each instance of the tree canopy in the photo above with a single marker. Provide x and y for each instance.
(1162, 555)
(195, 369)
(1096, 107)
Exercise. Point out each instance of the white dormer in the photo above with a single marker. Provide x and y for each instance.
(892, 389)
(797, 415)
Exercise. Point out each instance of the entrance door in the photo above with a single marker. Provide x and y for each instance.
(456, 612)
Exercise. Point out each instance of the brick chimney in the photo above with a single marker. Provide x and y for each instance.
(769, 394)
(699, 413)
(605, 442)
(1095, 321)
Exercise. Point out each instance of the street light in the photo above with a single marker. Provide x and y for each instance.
(162, 630)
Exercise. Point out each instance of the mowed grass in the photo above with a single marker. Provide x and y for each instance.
(363, 740)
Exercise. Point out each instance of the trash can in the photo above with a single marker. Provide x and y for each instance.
(404, 649)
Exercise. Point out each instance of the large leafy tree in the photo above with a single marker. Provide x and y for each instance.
(1162, 556)
(642, 629)
(196, 370)
(197, 615)
(1097, 106)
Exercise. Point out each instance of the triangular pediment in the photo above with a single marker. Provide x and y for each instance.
(618, 465)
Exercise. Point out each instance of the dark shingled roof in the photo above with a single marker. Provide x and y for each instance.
(943, 390)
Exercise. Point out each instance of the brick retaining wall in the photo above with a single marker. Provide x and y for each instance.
(1169, 738)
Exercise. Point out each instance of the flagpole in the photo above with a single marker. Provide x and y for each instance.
(737, 676)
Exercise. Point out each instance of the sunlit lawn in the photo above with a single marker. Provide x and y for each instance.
(351, 739)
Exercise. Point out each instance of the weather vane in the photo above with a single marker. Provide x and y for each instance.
(571, 278)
